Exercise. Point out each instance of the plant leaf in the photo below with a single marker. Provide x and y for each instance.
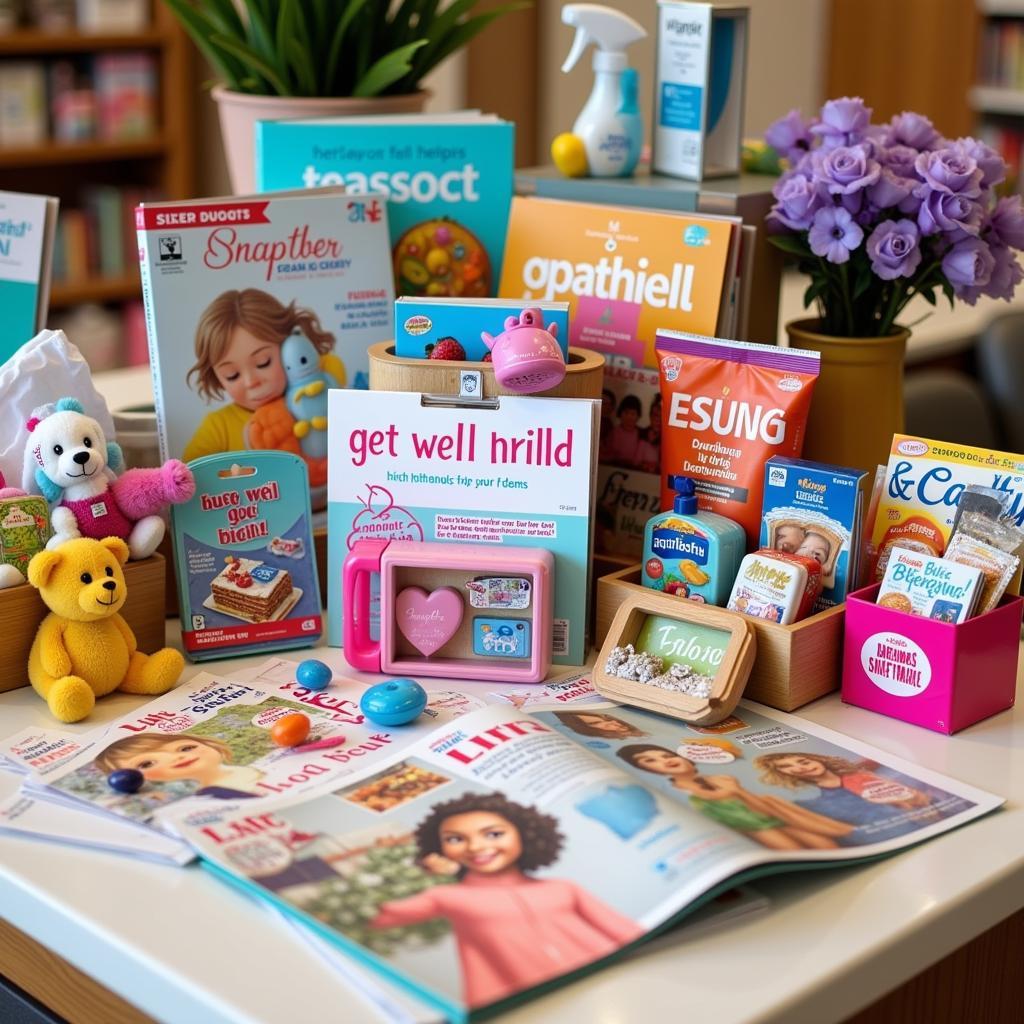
(250, 57)
(388, 70)
(201, 29)
(464, 32)
(792, 244)
(334, 53)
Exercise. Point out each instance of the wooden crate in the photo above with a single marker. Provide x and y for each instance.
(22, 609)
(795, 664)
(388, 372)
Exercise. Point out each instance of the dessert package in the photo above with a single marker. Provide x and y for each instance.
(996, 567)
(727, 407)
(776, 586)
(815, 510)
(921, 584)
(244, 550)
(924, 481)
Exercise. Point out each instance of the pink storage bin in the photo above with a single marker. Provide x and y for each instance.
(941, 676)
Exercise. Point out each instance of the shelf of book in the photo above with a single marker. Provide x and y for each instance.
(992, 99)
(1005, 8)
(95, 289)
(22, 42)
(92, 151)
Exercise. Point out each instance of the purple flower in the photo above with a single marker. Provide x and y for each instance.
(914, 130)
(798, 198)
(968, 267)
(950, 170)
(900, 160)
(844, 170)
(941, 211)
(890, 189)
(893, 249)
(790, 136)
(834, 233)
(1006, 273)
(991, 164)
(1007, 222)
(844, 122)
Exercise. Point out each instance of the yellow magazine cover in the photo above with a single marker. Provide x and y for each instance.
(624, 272)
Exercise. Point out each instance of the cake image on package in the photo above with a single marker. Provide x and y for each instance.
(244, 549)
(255, 308)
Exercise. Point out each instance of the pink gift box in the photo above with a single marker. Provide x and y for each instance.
(936, 674)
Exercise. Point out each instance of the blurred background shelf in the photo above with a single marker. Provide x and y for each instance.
(993, 99)
(87, 152)
(95, 289)
(23, 42)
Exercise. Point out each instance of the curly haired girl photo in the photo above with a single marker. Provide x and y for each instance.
(513, 930)
(597, 723)
(238, 355)
(768, 820)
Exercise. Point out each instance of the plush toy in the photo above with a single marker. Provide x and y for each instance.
(307, 394)
(24, 530)
(83, 648)
(75, 468)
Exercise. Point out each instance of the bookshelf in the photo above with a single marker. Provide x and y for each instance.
(997, 97)
(160, 162)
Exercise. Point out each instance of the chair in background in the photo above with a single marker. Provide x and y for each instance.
(945, 405)
(1000, 359)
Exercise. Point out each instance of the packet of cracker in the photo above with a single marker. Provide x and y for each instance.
(997, 567)
(918, 583)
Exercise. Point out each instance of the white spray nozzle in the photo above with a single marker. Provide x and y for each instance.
(611, 32)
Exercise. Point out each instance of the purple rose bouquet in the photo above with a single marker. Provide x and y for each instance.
(877, 214)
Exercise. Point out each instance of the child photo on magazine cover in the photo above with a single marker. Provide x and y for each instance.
(513, 929)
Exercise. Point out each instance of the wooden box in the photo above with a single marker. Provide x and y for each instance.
(388, 372)
(795, 664)
(22, 609)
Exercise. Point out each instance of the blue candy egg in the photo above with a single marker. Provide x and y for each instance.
(395, 702)
(126, 780)
(313, 674)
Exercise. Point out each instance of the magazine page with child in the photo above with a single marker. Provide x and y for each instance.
(506, 850)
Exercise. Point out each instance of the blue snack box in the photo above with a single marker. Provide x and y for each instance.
(815, 510)
(243, 546)
(420, 322)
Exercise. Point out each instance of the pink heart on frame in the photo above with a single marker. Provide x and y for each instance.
(428, 621)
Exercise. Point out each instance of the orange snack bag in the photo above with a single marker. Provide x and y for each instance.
(727, 407)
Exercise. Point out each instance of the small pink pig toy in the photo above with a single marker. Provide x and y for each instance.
(525, 355)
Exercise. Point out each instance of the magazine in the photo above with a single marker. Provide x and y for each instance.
(207, 743)
(514, 471)
(508, 851)
(626, 273)
(27, 227)
(255, 307)
(446, 180)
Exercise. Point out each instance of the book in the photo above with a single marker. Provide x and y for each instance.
(229, 284)
(221, 727)
(27, 228)
(516, 472)
(528, 849)
(423, 321)
(446, 179)
(626, 273)
(23, 119)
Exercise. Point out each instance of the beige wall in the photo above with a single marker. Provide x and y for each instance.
(787, 48)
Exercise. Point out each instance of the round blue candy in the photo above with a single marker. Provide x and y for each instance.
(313, 674)
(126, 780)
(395, 702)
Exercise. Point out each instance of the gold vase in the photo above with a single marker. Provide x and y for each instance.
(858, 397)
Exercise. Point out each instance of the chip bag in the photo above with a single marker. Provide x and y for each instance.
(727, 407)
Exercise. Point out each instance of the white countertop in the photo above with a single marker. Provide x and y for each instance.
(188, 950)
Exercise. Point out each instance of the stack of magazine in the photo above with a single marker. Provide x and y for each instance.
(479, 856)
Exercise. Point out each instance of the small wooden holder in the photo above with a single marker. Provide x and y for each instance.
(795, 664)
(22, 609)
(729, 681)
(388, 372)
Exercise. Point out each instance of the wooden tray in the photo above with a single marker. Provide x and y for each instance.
(388, 372)
(22, 609)
(795, 664)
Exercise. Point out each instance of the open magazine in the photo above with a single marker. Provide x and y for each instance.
(504, 852)
(207, 743)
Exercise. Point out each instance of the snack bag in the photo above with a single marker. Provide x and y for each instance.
(727, 407)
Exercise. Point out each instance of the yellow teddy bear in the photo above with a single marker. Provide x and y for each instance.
(84, 649)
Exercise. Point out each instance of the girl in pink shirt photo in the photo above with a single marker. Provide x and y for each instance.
(513, 931)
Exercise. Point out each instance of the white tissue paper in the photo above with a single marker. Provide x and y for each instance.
(44, 369)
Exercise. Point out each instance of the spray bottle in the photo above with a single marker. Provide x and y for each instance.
(606, 138)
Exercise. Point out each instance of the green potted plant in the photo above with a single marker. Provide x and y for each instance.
(281, 59)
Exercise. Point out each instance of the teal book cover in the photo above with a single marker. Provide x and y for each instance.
(448, 184)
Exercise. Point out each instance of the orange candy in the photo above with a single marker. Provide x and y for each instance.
(290, 730)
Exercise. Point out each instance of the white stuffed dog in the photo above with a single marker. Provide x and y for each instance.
(75, 467)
